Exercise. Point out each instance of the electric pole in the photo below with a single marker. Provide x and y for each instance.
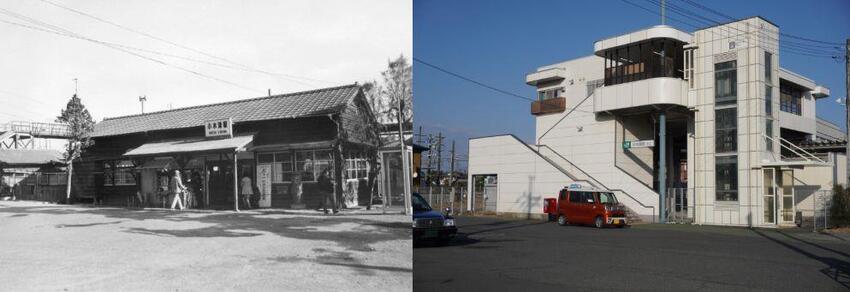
(404, 161)
(440, 158)
(142, 100)
(662, 13)
(847, 103)
(452, 173)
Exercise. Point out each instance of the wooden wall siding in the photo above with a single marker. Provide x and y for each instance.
(357, 117)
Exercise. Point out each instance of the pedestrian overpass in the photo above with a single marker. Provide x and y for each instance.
(22, 134)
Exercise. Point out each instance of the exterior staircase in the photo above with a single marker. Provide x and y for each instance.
(577, 174)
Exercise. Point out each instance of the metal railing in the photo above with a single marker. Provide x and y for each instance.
(445, 197)
(678, 210)
(38, 128)
(596, 183)
(800, 152)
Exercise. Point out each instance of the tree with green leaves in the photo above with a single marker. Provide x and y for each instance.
(80, 126)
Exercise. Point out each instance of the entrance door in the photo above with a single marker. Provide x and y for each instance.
(491, 196)
(769, 195)
(220, 184)
(786, 204)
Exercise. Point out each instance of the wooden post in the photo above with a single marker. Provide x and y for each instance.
(235, 184)
(206, 184)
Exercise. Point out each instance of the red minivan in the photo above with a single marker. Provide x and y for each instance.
(587, 206)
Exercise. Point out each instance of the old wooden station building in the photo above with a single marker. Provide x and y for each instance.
(282, 143)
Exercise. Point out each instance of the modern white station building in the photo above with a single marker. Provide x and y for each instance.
(707, 120)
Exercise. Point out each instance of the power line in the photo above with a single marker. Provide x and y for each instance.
(706, 8)
(793, 47)
(508, 93)
(288, 76)
(471, 80)
(72, 34)
(788, 49)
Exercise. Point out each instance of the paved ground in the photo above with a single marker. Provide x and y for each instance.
(502, 255)
(80, 248)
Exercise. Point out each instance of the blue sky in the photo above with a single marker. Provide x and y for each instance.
(499, 42)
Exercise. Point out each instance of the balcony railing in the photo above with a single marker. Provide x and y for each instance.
(548, 106)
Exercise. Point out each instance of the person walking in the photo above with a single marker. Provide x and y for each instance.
(176, 187)
(247, 191)
(327, 188)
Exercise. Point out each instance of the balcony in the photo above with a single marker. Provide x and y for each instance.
(548, 106)
(545, 76)
(642, 94)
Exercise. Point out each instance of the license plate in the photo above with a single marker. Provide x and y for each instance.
(430, 233)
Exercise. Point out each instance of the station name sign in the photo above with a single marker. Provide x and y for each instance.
(218, 128)
(638, 144)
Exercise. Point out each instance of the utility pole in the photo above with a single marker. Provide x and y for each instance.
(452, 178)
(142, 100)
(440, 158)
(662, 12)
(75, 86)
(404, 162)
(847, 103)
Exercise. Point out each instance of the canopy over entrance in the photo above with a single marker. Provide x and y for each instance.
(201, 144)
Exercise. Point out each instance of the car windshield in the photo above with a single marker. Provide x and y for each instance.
(419, 203)
(607, 198)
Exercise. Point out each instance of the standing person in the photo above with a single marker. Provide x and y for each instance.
(175, 187)
(197, 188)
(247, 190)
(326, 187)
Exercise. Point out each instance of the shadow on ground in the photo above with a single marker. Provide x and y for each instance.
(838, 270)
(306, 227)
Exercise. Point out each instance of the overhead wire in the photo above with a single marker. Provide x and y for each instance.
(68, 33)
(148, 35)
(459, 76)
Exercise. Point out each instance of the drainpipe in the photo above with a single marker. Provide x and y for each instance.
(662, 165)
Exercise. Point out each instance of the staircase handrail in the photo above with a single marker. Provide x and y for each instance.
(600, 184)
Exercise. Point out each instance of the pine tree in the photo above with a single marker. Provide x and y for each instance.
(80, 126)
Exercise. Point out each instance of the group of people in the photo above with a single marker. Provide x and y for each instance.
(182, 197)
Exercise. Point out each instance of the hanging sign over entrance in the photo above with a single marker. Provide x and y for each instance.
(220, 127)
(638, 144)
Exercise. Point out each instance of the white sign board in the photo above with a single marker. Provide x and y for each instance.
(220, 127)
(264, 182)
(638, 144)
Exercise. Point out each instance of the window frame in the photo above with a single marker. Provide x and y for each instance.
(730, 162)
(726, 71)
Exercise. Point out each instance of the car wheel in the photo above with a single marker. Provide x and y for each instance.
(562, 220)
(551, 217)
(598, 222)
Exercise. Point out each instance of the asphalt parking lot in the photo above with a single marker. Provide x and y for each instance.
(492, 254)
(46, 247)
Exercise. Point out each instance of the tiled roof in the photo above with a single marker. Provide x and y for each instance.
(29, 157)
(285, 106)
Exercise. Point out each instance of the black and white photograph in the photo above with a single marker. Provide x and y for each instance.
(206, 145)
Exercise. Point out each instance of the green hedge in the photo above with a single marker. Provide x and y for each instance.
(840, 211)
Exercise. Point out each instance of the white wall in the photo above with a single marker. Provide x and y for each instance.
(524, 178)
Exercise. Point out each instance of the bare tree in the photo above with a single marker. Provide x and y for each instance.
(80, 125)
(374, 95)
(398, 81)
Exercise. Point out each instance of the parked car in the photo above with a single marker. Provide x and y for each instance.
(577, 205)
(429, 224)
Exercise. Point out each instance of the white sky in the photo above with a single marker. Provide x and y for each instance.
(339, 41)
